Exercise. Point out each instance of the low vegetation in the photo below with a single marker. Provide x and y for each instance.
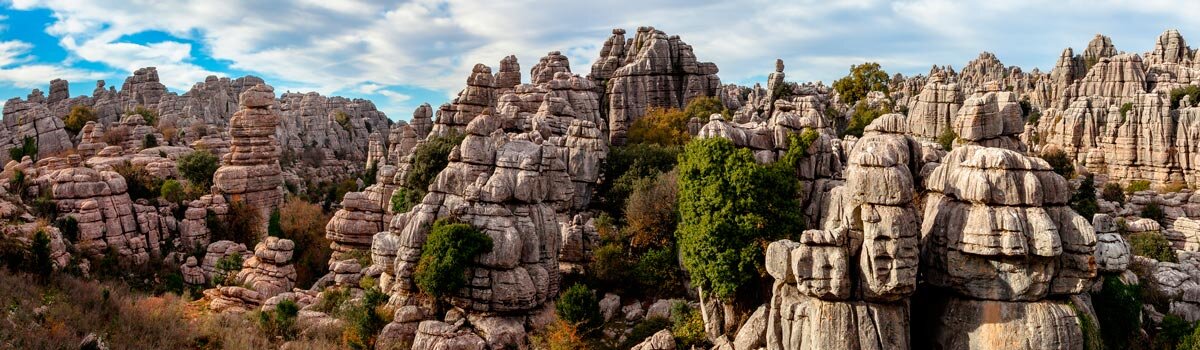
(1152, 245)
(444, 258)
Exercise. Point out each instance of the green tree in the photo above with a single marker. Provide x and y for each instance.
(1084, 198)
(579, 306)
(863, 78)
(1062, 164)
(447, 253)
(79, 116)
(172, 191)
(428, 160)
(729, 207)
(281, 321)
(148, 115)
(274, 228)
(863, 116)
(198, 167)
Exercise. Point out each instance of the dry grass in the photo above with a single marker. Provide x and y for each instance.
(59, 314)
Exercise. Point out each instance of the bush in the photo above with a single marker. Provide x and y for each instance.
(115, 136)
(79, 116)
(240, 225)
(729, 205)
(579, 306)
(687, 327)
(947, 139)
(304, 223)
(1152, 245)
(863, 116)
(1113, 193)
(29, 147)
(645, 329)
(1177, 95)
(342, 119)
(44, 206)
(1091, 335)
(226, 269)
(148, 115)
(173, 192)
(651, 213)
(1083, 201)
(1125, 108)
(369, 175)
(609, 266)
(69, 227)
(1171, 331)
(1118, 310)
(658, 272)
(280, 322)
(400, 202)
(863, 78)
(366, 318)
(1153, 211)
(559, 335)
(39, 250)
(139, 182)
(149, 141)
(660, 126)
(624, 167)
(448, 251)
(1058, 160)
(198, 167)
(428, 160)
(1137, 186)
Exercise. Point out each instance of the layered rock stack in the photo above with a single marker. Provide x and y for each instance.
(353, 226)
(479, 96)
(1112, 252)
(651, 70)
(269, 272)
(932, 111)
(31, 118)
(847, 286)
(551, 64)
(498, 183)
(509, 75)
(142, 89)
(1007, 253)
(100, 204)
(991, 119)
(250, 172)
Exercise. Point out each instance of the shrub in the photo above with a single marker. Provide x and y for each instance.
(863, 78)
(342, 119)
(369, 175)
(240, 225)
(645, 329)
(366, 318)
(1171, 331)
(947, 139)
(729, 205)
(140, 183)
(198, 167)
(280, 322)
(624, 167)
(29, 147)
(1091, 336)
(658, 273)
(609, 266)
(39, 250)
(79, 116)
(331, 299)
(1060, 162)
(148, 115)
(400, 202)
(1152, 245)
(69, 227)
(172, 191)
(170, 134)
(448, 250)
(1137, 186)
(560, 335)
(1177, 95)
(687, 326)
(1153, 211)
(1083, 201)
(115, 136)
(863, 116)
(1125, 108)
(44, 206)
(579, 306)
(149, 141)
(304, 223)
(428, 160)
(226, 269)
(660, 126)
(1113, 193)
(650, 211)
(1118, 310)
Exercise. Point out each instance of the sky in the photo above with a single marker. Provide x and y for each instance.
(400, 54)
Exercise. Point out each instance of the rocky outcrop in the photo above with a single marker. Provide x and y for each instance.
(100, 204)
(479, 96)
(269, 272)
(1112, 252)
(652, 70)
(999, 238)
(351, 229)
(932, 111)
(990, 119)
(31, 119)
(1101, 46)
(509, 75)
(250, 172)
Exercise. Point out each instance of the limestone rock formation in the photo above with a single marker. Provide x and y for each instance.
(932, 111)
(100, 204)
(479, 96)
(352, 227)
(1112, 252)
(269, 271)
(650, 70)
(250, 172)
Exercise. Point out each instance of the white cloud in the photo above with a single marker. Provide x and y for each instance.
(17, 70)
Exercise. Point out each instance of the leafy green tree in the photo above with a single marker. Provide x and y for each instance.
(863, 78)
(729, 207)
(79, 116)
(1084, 198)
(863, 116)
(280, 321)
(1152, 245)
(660, 126)
(148, 115)
(428, 160)
(198, 167)
(625, 167)
(274, 228)
(1178, 94)
(579, 306)
(447, 253)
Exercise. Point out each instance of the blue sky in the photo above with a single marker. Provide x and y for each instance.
(402, 53)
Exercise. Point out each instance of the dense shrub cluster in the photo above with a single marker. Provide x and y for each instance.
(578, 305)
(448, 251)
(1177, 95)
(1118, 309)
(1083, 200)
(1113, 193)
(198, 167)
(863, 78)
(29, 147)
(428, 159)
(1062, 164)
(79, 116)
(1152, 245)
(303, 223)
(863, 116)
(240, 225)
